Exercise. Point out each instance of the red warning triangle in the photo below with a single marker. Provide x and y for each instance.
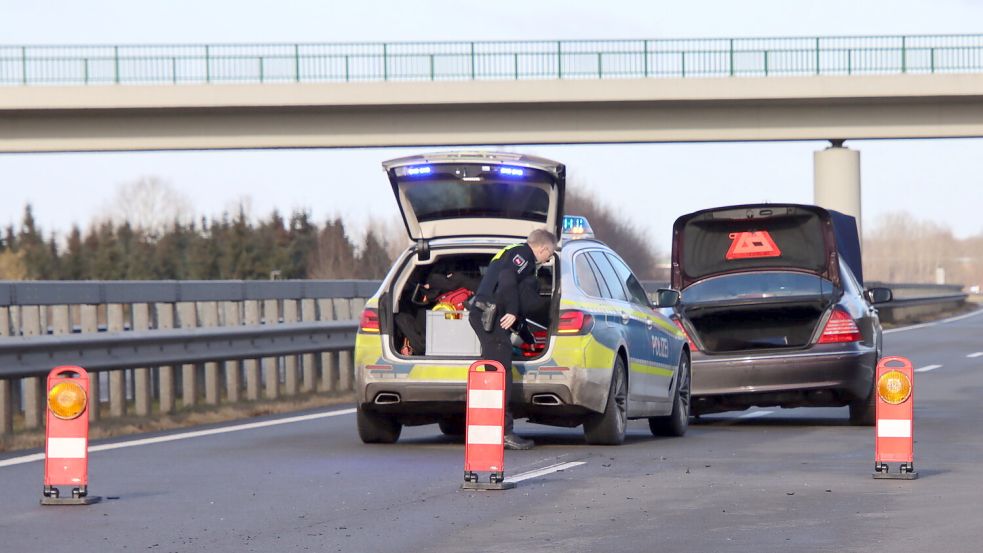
(752, 244)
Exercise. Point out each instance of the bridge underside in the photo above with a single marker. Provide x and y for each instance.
(167, 117)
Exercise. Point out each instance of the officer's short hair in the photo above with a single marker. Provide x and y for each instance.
(542, 237)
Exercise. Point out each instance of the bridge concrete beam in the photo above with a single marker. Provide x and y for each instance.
(168, 117)
(836, 180)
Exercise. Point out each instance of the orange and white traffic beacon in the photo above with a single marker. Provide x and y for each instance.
(484, 437)
(66, 452)
(894, 437)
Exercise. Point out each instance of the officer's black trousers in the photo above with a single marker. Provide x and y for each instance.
(496, 346)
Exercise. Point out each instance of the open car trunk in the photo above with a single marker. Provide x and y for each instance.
(755, 325)
(440, 329)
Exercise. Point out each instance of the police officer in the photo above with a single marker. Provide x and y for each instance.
(498, 307)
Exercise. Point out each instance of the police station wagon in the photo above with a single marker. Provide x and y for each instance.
(602, 353)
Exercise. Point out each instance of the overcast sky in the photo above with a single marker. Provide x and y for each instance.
(940, 180)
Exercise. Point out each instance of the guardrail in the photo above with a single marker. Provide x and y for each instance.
(160, 347)
(516, 60)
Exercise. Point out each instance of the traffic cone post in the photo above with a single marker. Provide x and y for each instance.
(894, 435)
(66, 453)
(484, 446)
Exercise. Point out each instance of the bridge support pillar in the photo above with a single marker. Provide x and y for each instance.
(836, 180)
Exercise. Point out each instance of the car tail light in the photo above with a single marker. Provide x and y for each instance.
(370, 320)
(840, 328)
(692, 345)
(574, 322)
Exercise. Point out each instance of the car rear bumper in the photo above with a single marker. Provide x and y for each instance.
(845, 370)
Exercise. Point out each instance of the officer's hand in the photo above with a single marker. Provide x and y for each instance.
(507, 321)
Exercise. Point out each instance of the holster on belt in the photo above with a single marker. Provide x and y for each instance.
(487, 314)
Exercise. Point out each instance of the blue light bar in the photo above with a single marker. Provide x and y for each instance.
(418, 170)
(576, 226)
(512, 171)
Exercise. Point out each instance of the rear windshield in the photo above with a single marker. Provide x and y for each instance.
(765, 284)
(456, 191)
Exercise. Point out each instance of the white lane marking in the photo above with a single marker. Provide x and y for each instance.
(933, 323)
(755, 414)
(975, 355)
(927, 368)
(544, 471)
(187, 435)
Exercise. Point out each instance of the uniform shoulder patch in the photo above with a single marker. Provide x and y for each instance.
(519, 262)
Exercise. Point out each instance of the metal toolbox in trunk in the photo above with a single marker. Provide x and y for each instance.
(450, 333)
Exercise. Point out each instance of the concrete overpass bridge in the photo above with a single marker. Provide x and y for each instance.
(198, 97)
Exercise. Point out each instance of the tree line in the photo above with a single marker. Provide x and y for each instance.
(229, 247)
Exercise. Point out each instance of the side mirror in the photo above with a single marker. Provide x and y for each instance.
(880, 295)
(666, 298)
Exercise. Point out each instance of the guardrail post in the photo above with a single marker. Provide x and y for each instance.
(290, 315)
(32, 393)
(89, 322)
(116, 62)
(232, 382)
(165, 320)
(645, 58)
(474, 71)
(251, 366)
(817, 55)
(343, 312)
(271, 373)
(6, 397)
(188, 318)
(904, 55)
(209, 318)
(23, 64)
(329, 359)
(385, 62)
(141, 376)
(559, 60)
(117, 378)
(208, 65)
(308, 313)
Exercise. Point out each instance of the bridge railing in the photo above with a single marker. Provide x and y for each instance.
(158, 347)
(518, 60)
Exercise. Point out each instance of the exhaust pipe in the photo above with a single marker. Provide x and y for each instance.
(546, 399)
(387, 398)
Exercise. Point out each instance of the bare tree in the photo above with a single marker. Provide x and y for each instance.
(149, 204)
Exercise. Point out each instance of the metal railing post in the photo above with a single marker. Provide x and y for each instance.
(931, 56)
(682, 59)
(732, 58)
(297, 63)
(474, 69)
(385, 62)
(516, 63)
(174, 70)
(208, 65)
(600, 66)
(904, 55)
(645, 58)
(817, 55)
(432, 78)
(766, 62)
(23, 64)
(116, 62)
(559, 60)
(261, 70)
(85, 69)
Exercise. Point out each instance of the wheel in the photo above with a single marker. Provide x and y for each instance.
(863, 412)
(678, 420)
(452, 427)
(375, 428)
(608, 428)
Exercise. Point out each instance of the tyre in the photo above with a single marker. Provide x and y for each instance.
(863, 412)
(678, 420)
(452, 427)
(375, 428)
(608, 428)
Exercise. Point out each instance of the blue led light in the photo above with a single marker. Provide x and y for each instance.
(418, 170)
(511, 171)
(571, 222)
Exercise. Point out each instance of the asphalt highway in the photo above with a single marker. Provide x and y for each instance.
(756, 481)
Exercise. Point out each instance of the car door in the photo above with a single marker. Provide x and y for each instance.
(653, 367)
(629, 327)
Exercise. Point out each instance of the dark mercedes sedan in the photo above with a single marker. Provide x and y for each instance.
(774, 307)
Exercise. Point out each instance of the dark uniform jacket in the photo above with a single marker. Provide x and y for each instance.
(510, 281)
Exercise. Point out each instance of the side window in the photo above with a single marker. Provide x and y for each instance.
(609, 276)
(584, 276)
(634, 288)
